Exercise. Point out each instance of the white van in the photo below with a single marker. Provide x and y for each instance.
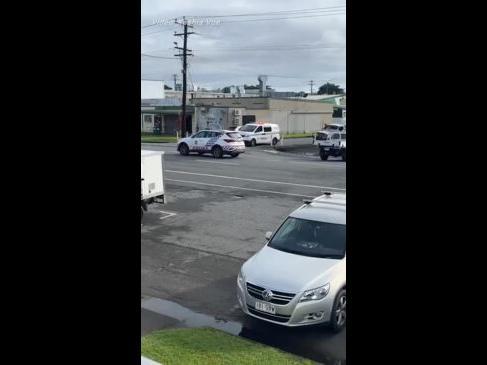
(260, 133)
(151, 178)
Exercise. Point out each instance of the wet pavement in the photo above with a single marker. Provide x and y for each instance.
(215, 218)
(315, 343)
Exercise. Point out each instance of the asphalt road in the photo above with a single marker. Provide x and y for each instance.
(216, 216)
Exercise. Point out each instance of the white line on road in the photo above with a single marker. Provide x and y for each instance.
(219, 163)
(169, 214)
(255, 180)
(240, 188)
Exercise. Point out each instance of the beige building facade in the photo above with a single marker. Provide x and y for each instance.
(292, 115)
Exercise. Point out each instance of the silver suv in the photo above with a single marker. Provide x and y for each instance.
(299, 277)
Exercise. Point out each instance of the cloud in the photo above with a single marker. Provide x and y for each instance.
(291, 51)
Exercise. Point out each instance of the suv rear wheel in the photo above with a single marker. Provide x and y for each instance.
(274, 141)
(217, 152)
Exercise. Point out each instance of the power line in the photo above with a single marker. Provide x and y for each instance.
(264, 50)
(270, 19)
(154, 24)
(332, 10)
(297, 11)
(264, 47)
(158, 31)
(159, 57)
(283, 48)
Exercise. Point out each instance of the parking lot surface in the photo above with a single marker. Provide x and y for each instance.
(216, 216)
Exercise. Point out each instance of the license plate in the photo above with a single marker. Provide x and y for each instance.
(265, 307)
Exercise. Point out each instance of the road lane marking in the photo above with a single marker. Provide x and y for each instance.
(241, 188)
(255, 180)
(169, 214)
(219, 162)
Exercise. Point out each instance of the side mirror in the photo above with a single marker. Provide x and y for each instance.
(268, 235)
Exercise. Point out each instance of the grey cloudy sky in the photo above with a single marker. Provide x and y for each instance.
(234, 52)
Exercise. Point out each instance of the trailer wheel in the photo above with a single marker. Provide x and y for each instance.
(323, 155)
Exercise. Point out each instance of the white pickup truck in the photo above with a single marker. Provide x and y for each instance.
(151, 178)
(332, 141)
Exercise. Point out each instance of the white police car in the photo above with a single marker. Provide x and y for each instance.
(218, 143)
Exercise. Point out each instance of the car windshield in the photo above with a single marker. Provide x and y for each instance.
(321, 136)
(248, 128)
(310, 238)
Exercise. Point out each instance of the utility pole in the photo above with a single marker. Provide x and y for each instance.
(185, 53)
(311, 84)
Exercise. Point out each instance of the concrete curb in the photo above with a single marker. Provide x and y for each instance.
(146, 361)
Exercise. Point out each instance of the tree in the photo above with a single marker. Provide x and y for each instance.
(330, 89)
(167, 87)
(226, 89)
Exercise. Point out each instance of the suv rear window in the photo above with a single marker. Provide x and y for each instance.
(234, 135)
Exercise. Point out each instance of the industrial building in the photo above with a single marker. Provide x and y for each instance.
(292, 115)
(161, 109)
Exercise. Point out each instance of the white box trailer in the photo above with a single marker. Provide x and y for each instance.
(152, 178)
